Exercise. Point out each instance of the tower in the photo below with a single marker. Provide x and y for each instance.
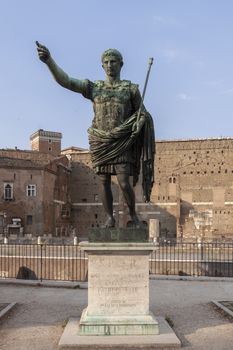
(46, 141)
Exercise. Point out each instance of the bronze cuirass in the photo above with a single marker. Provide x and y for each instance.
(112, 104)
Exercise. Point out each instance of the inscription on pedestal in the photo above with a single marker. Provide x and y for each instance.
(118, 285)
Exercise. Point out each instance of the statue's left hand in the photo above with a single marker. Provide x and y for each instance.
(137, 126)
(135, 129)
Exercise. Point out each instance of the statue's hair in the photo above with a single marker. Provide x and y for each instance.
(112, 52)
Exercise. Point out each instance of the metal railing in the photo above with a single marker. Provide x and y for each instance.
(193, 259)
(43, 262)
(69, 263)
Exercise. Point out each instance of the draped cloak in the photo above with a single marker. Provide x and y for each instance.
(106, 146)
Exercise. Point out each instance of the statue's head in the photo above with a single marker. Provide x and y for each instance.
(112, 52)
(112, 62)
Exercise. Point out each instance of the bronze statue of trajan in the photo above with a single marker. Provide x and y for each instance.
(122, 134)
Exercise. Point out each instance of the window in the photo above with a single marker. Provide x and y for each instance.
(31, 190)
(50, 148)
(65, 212)
(8, 191)
(29, 219)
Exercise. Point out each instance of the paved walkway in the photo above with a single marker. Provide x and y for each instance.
(37, 322)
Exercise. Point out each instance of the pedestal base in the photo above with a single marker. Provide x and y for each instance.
(165, 340)
(118, 290)
(118, 325)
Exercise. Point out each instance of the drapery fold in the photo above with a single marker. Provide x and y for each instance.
(105, 146)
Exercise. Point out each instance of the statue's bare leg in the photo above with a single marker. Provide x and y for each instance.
(128, 193)
(107, 199)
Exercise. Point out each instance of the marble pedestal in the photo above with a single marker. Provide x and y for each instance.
(118, 290)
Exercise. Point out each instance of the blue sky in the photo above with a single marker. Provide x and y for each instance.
(190, 92)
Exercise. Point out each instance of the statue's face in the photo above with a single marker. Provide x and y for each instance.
(111, 65)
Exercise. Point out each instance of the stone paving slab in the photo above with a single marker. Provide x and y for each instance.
(2, 306)
(226, 306)
(167, 339)
(5, 308)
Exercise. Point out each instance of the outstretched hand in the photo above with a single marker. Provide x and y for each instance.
(43, 52)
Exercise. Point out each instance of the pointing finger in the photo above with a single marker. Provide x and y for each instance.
(39, 46)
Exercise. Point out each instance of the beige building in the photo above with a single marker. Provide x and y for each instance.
(192, 196)
(194, 182)
(44, 191)
(35, 193)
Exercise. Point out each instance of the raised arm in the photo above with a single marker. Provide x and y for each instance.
(59, 75)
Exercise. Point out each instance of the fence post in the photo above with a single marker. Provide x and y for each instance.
(41, 263)
(41, 256)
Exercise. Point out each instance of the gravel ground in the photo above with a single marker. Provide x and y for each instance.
(38, 320)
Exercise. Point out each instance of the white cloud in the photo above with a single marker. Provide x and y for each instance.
(218, 86)
(170, 54)
(165, 20)
(182, 96)
(213, 83)
(227, 91)
(199, 63)
(185, 97)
